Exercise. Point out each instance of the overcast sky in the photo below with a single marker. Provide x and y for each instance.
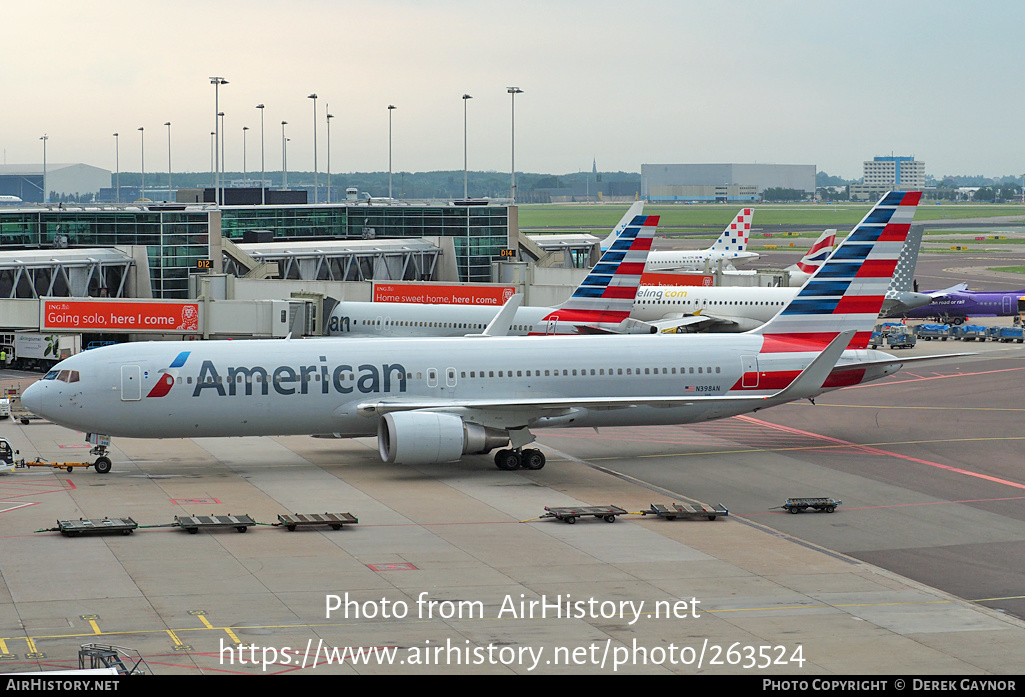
(623, 82)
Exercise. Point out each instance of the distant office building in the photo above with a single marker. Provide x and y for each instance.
(26, 181)
(882, 174)
(722, 183)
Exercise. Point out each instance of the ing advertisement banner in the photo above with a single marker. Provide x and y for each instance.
(107, 315)
(442, 295)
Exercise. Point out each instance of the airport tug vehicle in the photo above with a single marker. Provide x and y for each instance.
(9, 464)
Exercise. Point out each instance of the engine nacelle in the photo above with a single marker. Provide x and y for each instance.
(425, 437)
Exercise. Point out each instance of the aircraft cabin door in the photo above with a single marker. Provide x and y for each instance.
(131, 383)
(553, 325)
(750, 378)
(1005, 303)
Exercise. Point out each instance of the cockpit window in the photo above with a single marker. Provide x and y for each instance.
(62, 375)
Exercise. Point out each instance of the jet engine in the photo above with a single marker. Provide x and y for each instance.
(425, 437)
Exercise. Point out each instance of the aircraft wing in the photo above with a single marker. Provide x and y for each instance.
(959, 288)
(807, 384)
(499, 326)
(670, 324)
(697, 322)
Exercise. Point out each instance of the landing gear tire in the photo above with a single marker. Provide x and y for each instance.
(532, 459)
(102, 465)
(507, 460)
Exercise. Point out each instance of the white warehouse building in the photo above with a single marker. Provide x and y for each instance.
(26, 181)
(721, 183)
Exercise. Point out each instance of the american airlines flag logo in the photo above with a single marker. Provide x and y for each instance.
(168, 375)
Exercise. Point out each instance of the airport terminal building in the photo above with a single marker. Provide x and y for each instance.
(178, 238)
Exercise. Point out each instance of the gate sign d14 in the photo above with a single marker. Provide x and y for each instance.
(99, 315)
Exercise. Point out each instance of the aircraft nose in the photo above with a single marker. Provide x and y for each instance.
(32, 398)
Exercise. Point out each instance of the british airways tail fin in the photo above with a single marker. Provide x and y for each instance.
(817, 255)
(847, 292)
(605, 298)
(635, 210)
(733, 241)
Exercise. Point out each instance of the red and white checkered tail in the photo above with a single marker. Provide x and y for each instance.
(736, 235)
(847, 291)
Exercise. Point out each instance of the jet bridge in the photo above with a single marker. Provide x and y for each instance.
(343, 260)
(75, 273)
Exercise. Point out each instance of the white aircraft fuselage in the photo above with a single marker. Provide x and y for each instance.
(746, 306)
(695, 261)
(336, 386)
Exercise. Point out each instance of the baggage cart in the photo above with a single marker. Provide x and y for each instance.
(817, 503)
(570, 515)
(687, 511)
(82, 526)
(335, 520)
(193, 523)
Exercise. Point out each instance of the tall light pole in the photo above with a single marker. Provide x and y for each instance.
(263, 177)
(284, 156)
(329, 117)
(244, 129)
(391, 108)
(168, 124)
(465, 98)
(213, 155)
(513, 91)
(117, 170)
(44, 138)
(220, 115)
(217, 82)
(315, 182)
(142, 159)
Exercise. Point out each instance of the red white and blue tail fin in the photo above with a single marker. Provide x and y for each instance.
(847, 291)
(813, 258)
(605, 298)
(632, 212)
(818, 253)
(732, 243)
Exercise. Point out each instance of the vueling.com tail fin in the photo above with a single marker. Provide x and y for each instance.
(847, 291)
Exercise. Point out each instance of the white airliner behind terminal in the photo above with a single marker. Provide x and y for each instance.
(434, 400)
(731, 247)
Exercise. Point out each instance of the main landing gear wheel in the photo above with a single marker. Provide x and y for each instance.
(507, 459)
(102, 465)
(532, 459)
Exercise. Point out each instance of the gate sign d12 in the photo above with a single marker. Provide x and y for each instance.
(100, 315)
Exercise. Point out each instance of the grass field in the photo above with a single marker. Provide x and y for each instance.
(599, 217)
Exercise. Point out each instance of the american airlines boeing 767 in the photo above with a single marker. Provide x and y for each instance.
(436, 399)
